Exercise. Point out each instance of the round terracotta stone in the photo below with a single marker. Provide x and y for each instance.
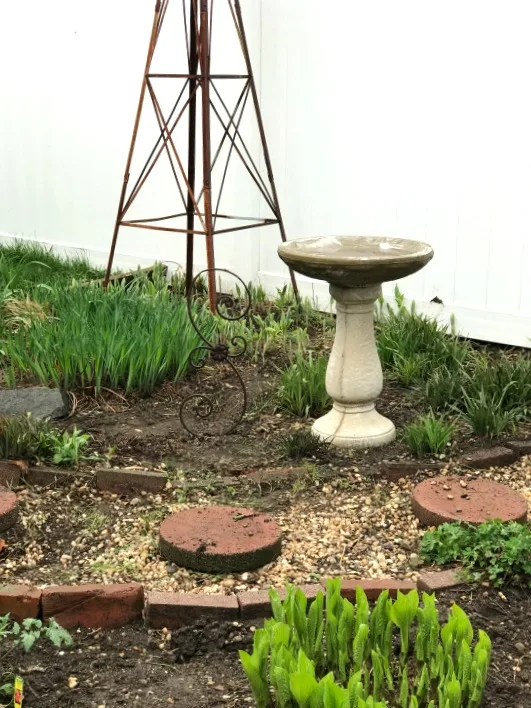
(8, 509)
(445, 499)
(219, 539)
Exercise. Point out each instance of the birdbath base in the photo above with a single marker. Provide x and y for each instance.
(354, 376)
(354, 427)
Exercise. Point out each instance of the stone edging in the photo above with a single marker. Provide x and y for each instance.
(105, 606)
(124, 481)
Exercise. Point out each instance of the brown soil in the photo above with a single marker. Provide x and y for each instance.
(149, 430)
(199, 667)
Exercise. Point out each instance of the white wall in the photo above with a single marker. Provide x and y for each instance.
(398, 118)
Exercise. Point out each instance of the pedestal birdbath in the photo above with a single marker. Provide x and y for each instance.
(355, 267)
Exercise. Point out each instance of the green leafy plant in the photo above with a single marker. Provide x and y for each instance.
(429, 434)
(63, 448)
(26, 635)
(501, 551)
(335, 654)
(302, 389)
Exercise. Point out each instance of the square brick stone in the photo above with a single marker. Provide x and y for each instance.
(20, 601)
(93, 606)
(521, 447)
(11, 471)
(373, 587)
(176, 609)
(395, 470)
(439, 580)
(254, 605)
(489, 457)
(47, 477)
(129, 481)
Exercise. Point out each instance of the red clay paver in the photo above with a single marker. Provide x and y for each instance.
(489, 457)
(20, 601)
(180, 609)
(439, 580)
(257, 604)
(521, 447)
(8, 509)
(129, 481)
(447, 499)
(373, 587)
(395, 470)
(220, 539)
(93, 606)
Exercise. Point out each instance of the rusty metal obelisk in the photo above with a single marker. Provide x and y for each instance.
(199, 101)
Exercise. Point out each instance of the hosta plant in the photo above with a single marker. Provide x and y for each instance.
(334, 654)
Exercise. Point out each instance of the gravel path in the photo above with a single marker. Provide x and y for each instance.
(348, 524)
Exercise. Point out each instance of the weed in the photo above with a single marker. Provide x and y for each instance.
(429, 434)
(501, 551)
(19, 436)
(26, 635)
(301, 443)
(94, 520)
(302, 390)
(63, 448)
(343, 656)
(28, 437)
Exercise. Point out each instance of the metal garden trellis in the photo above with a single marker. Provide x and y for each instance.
(201, 213)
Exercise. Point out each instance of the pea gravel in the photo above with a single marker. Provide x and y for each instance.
(349, 523)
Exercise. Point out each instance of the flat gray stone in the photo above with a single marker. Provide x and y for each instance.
(41, 402)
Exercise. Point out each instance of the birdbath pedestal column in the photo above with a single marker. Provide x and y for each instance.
(355, 267)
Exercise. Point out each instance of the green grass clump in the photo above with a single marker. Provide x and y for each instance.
(32, 268)
(127, 337)
(429, 434)
(302, 444)
(501, 551)
(412, 346)
(302, 390)
(395, 654)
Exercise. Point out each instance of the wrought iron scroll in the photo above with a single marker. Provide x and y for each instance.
(223, 350)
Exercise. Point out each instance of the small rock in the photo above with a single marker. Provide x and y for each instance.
(520, 647)
(415, 560)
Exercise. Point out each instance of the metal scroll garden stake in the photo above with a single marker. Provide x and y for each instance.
(222, 403)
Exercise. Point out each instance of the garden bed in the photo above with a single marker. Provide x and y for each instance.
(199, 666)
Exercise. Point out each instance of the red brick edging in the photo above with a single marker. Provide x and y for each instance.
(105, 606)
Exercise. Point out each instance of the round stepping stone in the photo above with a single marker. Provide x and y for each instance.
(446, 499)
(8, 509)
(219, 539)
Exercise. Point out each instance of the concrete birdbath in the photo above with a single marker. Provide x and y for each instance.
(355, 267)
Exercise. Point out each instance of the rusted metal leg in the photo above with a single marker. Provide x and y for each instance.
(153, 40)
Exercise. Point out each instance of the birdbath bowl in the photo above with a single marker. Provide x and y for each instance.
(355, 267)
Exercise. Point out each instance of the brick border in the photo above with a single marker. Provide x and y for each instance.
(117, 605)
